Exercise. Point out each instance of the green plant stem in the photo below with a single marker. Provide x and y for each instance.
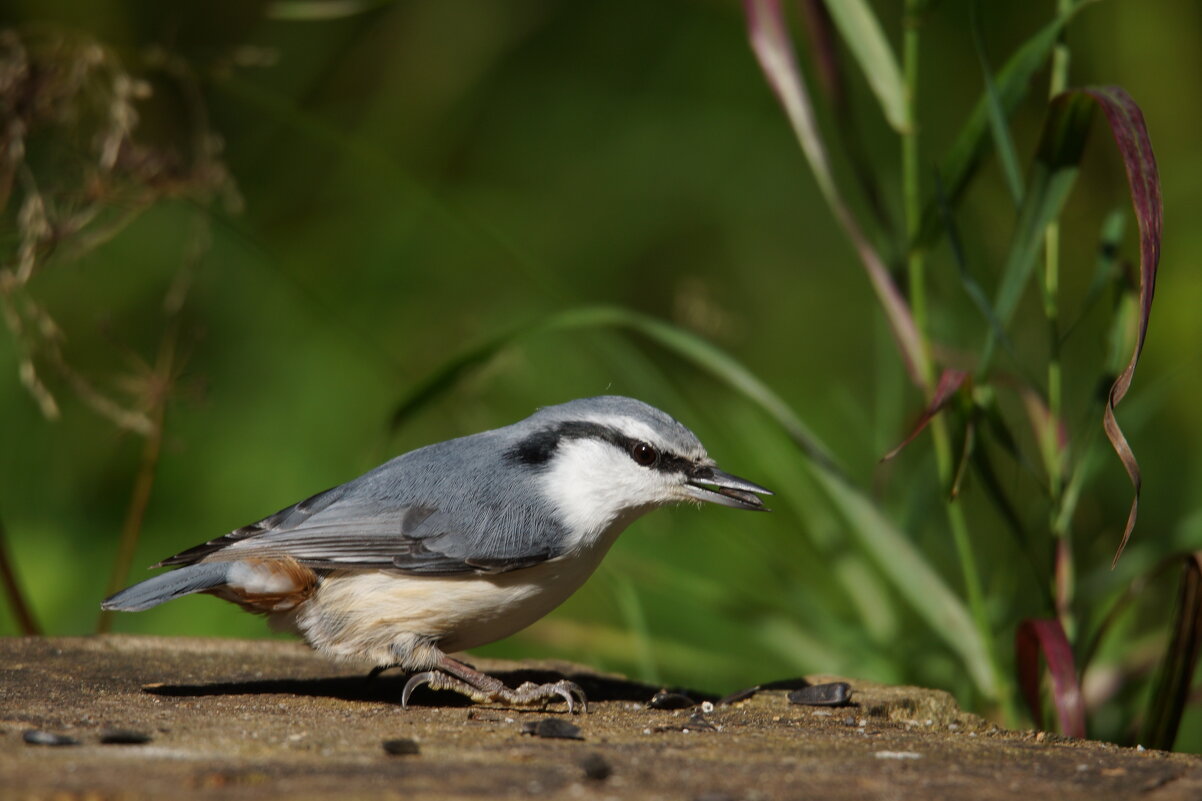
(940, 435)
(1058, 83)
(1062, 574)
(911, 186)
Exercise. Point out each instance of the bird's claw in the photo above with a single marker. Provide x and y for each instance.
(527, 694)
(569, 691)
(415, 681)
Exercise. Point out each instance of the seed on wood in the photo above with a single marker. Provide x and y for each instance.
(555, 728)
(38, 737)
(837, 693)
(666, 700)
(738, 695)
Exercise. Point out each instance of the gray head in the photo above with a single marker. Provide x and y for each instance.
(609, 457)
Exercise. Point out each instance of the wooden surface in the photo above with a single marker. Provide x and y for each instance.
(268, 719)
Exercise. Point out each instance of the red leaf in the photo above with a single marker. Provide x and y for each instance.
(945, 390)
(1131, 137)
(1047, 636)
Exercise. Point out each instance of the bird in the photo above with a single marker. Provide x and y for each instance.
(456, 544)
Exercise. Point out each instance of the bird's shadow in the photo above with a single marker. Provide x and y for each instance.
(387, 689)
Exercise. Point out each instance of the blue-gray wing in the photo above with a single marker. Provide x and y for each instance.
(349, 528)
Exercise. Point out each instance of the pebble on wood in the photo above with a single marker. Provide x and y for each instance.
(596, 767)
(123, 737)
(553, 728)
(38, 737)
(402, 746)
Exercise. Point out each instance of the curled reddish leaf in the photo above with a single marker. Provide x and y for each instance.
(1057, 162)
(1032, 638)
(1131, 137)
(949, 383)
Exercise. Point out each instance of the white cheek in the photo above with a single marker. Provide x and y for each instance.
(596, 487)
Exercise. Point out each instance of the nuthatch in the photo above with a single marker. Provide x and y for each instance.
(457, 544)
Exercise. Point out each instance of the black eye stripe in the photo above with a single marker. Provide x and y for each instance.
(671, 463)
(537, 448)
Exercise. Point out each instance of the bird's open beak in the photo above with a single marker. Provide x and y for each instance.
(714, 486)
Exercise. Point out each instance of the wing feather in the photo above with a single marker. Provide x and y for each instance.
(366, 524)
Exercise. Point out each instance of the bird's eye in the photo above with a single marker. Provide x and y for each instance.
(643, 454)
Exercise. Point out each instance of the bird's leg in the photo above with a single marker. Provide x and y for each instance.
(482, 688)
(378, 669)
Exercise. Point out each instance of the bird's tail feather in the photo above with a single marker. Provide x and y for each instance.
(167, 586)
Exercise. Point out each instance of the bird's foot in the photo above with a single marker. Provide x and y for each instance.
(492, 690)
(529, 693)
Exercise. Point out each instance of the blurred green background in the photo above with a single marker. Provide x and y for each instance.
(416, 179)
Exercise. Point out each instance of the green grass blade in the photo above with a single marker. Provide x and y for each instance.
(1082, 471)
(635, 620)
(321, 10)
(862, 32)
(1051, 437)
(914, 579)
(829, 75)
(1105, 270)
(987, 474)
(448, 374)
(1052, 176)
(971, 145)
(732, 373)
(773, 48)
(1120, 606)
(681, 342)
(972, 287)
(998, 124)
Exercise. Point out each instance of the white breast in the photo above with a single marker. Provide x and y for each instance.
(387, 618)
